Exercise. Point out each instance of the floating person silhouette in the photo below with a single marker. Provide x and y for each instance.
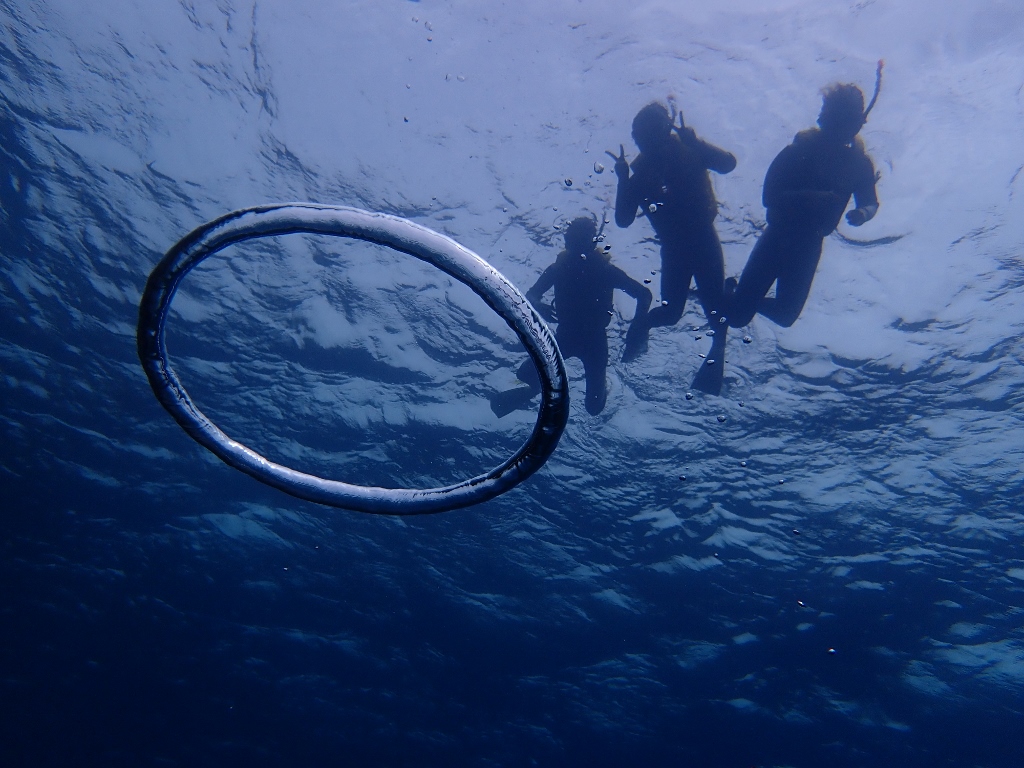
(584, 280)
(806, 190)
(670, 185)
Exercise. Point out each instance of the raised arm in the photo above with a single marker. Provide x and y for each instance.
(640, 292)
(626, 200)
(714, 158)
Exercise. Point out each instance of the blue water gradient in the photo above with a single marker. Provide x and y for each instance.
(837, 581)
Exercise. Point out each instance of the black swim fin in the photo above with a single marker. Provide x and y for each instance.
(517, 398)
(712, 370)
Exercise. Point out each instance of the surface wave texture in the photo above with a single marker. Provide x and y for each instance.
(837, 581)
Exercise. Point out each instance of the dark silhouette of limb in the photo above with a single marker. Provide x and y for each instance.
(591, 348)
(793, 286)
(701, 258)
(789, 257)
(709, 272)
(636, 340)
(710, 374)
(595, 366)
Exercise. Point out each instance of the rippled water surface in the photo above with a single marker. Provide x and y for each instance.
(822, 566)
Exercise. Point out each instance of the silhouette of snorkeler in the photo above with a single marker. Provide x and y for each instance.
(806, 190)
(584, 279)
(671, 186)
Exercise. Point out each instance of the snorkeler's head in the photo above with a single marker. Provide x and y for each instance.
(651, 126)
(842, 112)
(580, 236)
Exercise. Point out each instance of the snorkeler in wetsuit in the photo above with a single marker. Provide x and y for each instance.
(671, 186)
(806, 190)
(583, 279)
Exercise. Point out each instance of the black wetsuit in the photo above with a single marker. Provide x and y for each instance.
(583, 303)
(806, 190)
(675, 182)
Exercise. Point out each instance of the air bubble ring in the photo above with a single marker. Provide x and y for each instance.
(401, 235)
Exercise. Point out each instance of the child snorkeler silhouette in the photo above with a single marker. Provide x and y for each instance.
(584, 280)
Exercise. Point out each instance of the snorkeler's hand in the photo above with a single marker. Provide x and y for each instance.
(856, 217)
(688, 135)
(621, 164)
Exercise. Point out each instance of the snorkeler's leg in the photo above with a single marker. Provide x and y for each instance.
(595, 366)
(636, 340)
(709, 271)
(757, 277)
(676, 274)
(675, 284)
(794, 284)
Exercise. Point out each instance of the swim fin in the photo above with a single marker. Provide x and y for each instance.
(709, 376)
(503, 403)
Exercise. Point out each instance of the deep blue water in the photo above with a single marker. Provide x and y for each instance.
(837, 582)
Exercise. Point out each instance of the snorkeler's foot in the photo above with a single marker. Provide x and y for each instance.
(595, 401)
(517, 398)
(636, 343)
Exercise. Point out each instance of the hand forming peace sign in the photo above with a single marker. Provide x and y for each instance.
(621, 164)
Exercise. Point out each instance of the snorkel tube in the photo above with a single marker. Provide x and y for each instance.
(878, 87)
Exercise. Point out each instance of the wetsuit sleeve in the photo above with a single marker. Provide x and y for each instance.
(713, 158)
(544, 284)
(864, 194)
(638, 291)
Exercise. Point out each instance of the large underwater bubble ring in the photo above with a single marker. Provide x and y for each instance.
(401, 235)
